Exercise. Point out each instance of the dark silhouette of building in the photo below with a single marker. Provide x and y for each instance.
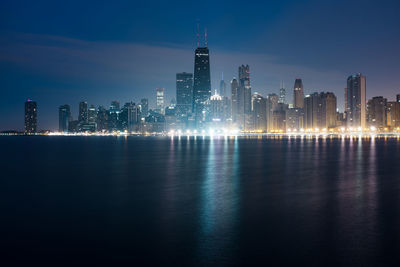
(201, 83)
(102, 119)
(30, 117)
(320, 111)
(298, 94)
(83, 112)
(282, 94)
(259, 109)
(234, 100)
(64, 117)
(355, 101)
(184, 93)
(144, 107)
(222, 87)
(376, 112)
(393, 114)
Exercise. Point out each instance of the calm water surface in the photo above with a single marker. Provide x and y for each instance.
(199, 201)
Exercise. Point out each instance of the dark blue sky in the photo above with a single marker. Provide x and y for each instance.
(62, 52)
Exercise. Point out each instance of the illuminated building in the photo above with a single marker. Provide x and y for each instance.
(83, 112)
(245, 89)
(216, 108)
(272, 103)
(393, 114)
(355, 103)
(201, 82)
(329, 110)
(222, 87)
(279, 118)
(64, 116)
(298, 94)
(295, 119)
(144, 107)
(259, 109)
(160, 100)
(320, 111)
(244, 98)
(234, 100)
(30, 117)
(102, 119)
(282, 94)
(92, 114)
(184, 93)
(376, 112)
(113, 116)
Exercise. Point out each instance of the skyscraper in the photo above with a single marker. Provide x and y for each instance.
(92, 114)
(259, 109)
(184, 93)
(282, 94)
(30, 117)
(312, 111)
(234, 99)
(272, 103)
(279, 117)
(329, 110)
(298, 94)
(102, 119)
(245, 89)
(201, 83)
(216, 108)
(160, 100)
(113, 116)
(144, 107)
(222, 87)
(320, 111)
(398, 98)
(64, 115)
(355, 95)
(83, 112)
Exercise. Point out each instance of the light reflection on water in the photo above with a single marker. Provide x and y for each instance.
(221, 200)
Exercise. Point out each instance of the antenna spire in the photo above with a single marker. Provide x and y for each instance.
(198, 35)
(205, 37)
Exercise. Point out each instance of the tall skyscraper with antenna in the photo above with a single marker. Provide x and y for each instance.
(201, 80)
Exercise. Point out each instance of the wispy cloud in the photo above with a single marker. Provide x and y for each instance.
(129, 71)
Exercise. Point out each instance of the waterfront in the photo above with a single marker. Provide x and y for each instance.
(200, 201)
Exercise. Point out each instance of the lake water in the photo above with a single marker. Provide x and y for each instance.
(200, 201)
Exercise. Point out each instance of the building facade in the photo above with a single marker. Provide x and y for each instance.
(355, 101)
(259, 109)
(184, 93)
(160, 101)
(298, 94)
(64, 116)
(83, 112)
(201, 84)
(30, 117)
(376, 112)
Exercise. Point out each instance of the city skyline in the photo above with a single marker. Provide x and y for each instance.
(85, 75)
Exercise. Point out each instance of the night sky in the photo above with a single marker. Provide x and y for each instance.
(62, 52)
